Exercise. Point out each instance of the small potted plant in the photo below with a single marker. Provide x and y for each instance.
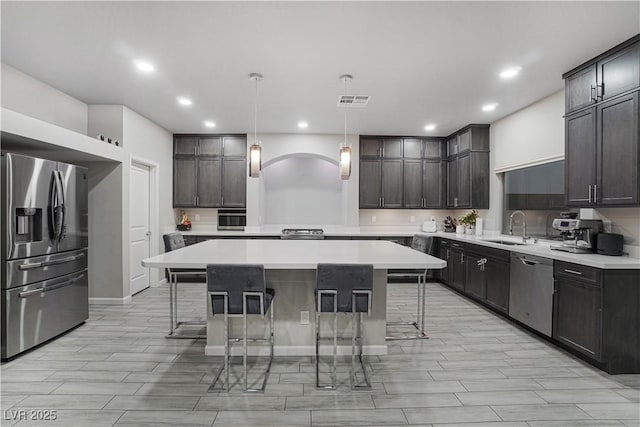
(469, 220)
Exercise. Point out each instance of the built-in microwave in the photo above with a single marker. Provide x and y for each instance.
(232, 219)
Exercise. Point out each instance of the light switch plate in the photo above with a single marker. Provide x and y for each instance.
(304, 317)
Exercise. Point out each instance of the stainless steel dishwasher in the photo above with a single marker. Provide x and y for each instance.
(531, 291)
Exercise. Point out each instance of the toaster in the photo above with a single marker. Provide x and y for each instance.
(610, 244)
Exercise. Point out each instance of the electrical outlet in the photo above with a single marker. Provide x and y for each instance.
(413, 218)
(304, 317)
(197, 217)
(374, 218)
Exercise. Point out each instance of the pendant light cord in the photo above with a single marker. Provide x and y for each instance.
(345, 114)
(255, 115)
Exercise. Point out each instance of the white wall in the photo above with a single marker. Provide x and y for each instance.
(24, 94)
(288, 147)
(533, 135)
(106, 120)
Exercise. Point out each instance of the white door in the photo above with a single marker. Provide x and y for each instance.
(139, 232)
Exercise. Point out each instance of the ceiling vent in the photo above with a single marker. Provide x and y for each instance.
(353, 101)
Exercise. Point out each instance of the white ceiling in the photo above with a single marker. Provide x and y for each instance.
(422, 62)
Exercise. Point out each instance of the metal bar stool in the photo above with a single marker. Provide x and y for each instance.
(424, 244)
(239, 291)
(344, 288)
(173, 241)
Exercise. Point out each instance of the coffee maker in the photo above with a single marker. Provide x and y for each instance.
(579, 236)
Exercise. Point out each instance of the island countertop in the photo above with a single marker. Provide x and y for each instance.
(295, 254)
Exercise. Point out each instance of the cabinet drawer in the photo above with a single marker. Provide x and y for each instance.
(484, 251)
(577, 272)
(457, 245)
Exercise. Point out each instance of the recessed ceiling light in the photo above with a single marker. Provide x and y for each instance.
(303, 125)
(209, 124)
(184, 101)
(144, 66)
(429, 127)
(489, 107)
(510, 72)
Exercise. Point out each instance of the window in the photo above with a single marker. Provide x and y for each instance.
(538, 191)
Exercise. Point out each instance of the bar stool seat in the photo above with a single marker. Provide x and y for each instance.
(240, 291)
(425, 244)
(172, 242)
(347, 289)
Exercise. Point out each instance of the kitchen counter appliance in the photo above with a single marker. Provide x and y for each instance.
(579, 236)
(232, 219)
(611, 244)
(531, 291)
(302, 234)
(44, 251)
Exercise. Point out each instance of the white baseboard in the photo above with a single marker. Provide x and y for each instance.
(111, 301)
(286, 350)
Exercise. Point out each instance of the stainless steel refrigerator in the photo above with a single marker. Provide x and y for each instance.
(44, 250)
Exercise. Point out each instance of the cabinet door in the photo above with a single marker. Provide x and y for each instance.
(432, 149)
(184, 182)
(619, 72)
(618, 149)
(413, 184)
(580, 157)
(443, 253)
(392, 183)
(474, 280)
(210, 146)
(234, 146)
(392, 147)
(464, 181)
(432, 184)
(452, 146)
(370, 196)
(580, 89)
(457, 268)
(185, 145)
(497, 284)
(370, 147)
(234, 183)
(413, 148)
(464, 141)
(577, 316)
(209, 174)
(452, 183)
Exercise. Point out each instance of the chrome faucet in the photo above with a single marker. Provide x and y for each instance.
(524, 225)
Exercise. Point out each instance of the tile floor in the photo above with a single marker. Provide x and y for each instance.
(476, 370)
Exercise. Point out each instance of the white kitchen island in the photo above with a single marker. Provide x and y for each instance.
(290, 269)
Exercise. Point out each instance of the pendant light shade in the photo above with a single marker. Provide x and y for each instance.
(345, 149)
(345, 162)
(255, 160)
(255, 151)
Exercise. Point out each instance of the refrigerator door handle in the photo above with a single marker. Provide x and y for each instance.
(30, 293)
(61, 226)
(48, 263)
(53, 202)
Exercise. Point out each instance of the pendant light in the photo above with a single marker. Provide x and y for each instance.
(345, 149)
(255, 151)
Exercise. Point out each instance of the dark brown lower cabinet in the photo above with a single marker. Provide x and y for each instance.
(596, 313)
(577, 312)
(456, 267)
(474, 285)
(497, 286)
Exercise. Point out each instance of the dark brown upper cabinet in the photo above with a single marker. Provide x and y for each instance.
(468, 168)
(401, 172)
(209, 171)
(602, 133)
(608, 75)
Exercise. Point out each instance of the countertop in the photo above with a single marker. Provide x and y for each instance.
(542, 249)
(295, 254)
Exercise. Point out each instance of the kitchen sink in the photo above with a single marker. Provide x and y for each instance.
(507, 242)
